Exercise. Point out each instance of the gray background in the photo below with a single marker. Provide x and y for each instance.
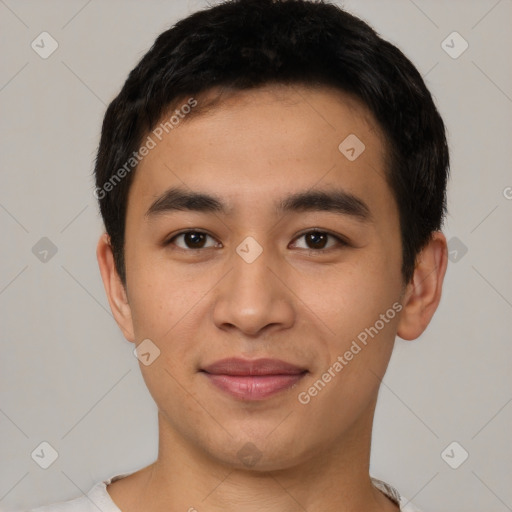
(67, 375)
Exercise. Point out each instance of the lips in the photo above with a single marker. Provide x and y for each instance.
(247, 367)
(253, 379)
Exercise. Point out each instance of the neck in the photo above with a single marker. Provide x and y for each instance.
(186, 478)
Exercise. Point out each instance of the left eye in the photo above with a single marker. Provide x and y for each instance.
(317, 240)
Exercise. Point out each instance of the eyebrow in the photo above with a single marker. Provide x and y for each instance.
(332, 200)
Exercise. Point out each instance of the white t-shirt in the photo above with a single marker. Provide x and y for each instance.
(99, 499)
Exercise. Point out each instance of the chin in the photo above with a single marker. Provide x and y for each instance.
(259, 454)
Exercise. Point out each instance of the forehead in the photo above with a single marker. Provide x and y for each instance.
(261, 141)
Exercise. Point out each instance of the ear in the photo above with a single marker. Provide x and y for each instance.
(423, 292)
(115, 289)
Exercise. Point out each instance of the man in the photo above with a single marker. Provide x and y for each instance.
(272, 179)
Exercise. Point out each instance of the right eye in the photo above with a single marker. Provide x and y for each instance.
(191, 239)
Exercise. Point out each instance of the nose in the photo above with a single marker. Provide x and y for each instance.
(254, 298)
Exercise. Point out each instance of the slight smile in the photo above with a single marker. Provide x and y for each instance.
(255, 379)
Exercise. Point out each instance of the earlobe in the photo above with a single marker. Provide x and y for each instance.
(114, 288)
(423, 293)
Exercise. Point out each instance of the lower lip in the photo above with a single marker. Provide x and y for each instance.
(254, 387)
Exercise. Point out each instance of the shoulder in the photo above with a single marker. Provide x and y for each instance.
(82, 504)
(96, 499)
(392, 493)
(407, 506)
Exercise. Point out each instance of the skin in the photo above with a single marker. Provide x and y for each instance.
(302, 306)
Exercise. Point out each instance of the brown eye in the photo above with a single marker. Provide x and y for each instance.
(318, 240)
(191, 240)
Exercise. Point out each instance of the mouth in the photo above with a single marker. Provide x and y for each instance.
(253, 379)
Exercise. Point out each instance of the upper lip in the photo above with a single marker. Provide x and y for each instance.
(264, 366)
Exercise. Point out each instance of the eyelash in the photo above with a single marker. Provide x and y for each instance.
(341, 242)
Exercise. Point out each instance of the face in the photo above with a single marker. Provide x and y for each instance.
(266, 267)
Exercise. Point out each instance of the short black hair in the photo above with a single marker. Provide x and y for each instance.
(243, 44)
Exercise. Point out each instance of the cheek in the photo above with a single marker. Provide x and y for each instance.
(164, 303)
(350, 297)
(352, 306)
(379, 272)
